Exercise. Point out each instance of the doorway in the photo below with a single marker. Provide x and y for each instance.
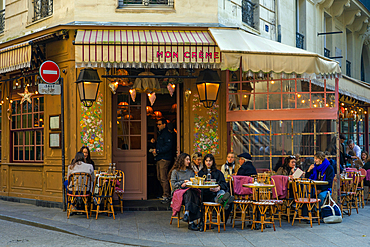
(165, 107)
(133, 126)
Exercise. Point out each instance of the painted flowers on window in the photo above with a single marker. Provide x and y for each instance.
(206, 138)
(91, 123)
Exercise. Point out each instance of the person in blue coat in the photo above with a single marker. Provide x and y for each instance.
(321, 170)
(247, 169)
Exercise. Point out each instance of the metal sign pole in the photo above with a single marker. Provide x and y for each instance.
(63, 145)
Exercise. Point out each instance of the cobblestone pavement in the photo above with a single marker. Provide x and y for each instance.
(152, 228)
(17, 234)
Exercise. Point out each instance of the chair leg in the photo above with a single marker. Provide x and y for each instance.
(87, 211)
(223, 212)
(178, 220)
(110, 200)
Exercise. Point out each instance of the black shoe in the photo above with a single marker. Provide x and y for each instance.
(193, 227)
(228, 202)
(166, 200)
(186, 218)
(201, 226)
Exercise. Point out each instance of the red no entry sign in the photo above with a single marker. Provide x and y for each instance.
(49, 72)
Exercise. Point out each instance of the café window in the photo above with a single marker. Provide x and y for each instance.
(128, 122)
(271, 141)
(258, 91)
(27, 122)
(354, 130)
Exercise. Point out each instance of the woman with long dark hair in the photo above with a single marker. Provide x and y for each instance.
(179, 175)
(86, 151)
(79, 165)
(288, 167)
(220, 194)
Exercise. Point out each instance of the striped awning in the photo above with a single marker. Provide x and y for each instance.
(15, 57)
(146, 49)
(19, 56)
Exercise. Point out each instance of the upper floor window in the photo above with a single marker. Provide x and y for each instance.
(149, 3)
(248, 12)
(42, 9)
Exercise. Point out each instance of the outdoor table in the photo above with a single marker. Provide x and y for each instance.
(202, 187)
(259, 186)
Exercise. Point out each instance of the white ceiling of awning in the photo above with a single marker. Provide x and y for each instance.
(260, 54)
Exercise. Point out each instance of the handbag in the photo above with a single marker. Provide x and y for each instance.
(330, 211)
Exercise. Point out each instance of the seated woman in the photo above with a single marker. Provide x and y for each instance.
(247, 168)
(78, 165)
(86, 151)
(288, 167)
(180, 174)
(230, 168)
(219, 194)
(364, 157)
(196, 162)
(321, 170)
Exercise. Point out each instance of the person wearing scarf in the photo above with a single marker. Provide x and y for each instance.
(229, 168)
(321, 170)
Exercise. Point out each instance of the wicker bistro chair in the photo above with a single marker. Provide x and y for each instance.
(242, 207)
(264, 203)
(209, 208)
(353, 185)
(178, 216)
(305, 193)
(360, 188)
(78, 189)
(120, 190)
(103, 195)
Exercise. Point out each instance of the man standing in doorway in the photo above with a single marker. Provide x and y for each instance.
(163, 156)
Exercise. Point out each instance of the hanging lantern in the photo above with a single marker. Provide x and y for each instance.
(152, 98)
(171, 88)
(158, 114)
(187, 94)
(173, 108)
(113, 86)
(149, 110)
(208, 85)
(127, 117)
(133, 94)
(123, 106)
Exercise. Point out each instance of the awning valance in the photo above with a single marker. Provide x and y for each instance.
(260, 54)
(19, 56)
(146, 48)
(15, 57)
(349, 86)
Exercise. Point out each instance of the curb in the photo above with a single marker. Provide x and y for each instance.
(80, 231)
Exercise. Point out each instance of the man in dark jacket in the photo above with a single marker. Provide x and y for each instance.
(247, 169)
(163, 156)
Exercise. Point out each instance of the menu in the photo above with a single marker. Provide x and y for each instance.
(298, 173)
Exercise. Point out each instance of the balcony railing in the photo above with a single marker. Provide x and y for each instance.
(42, 9)
(248, 12)
(153, 3)
(348, 68)
(299, 40)
(2, 20)
(326, 53)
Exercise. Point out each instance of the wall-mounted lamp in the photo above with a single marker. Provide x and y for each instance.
(208, 85)
(88, 86)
